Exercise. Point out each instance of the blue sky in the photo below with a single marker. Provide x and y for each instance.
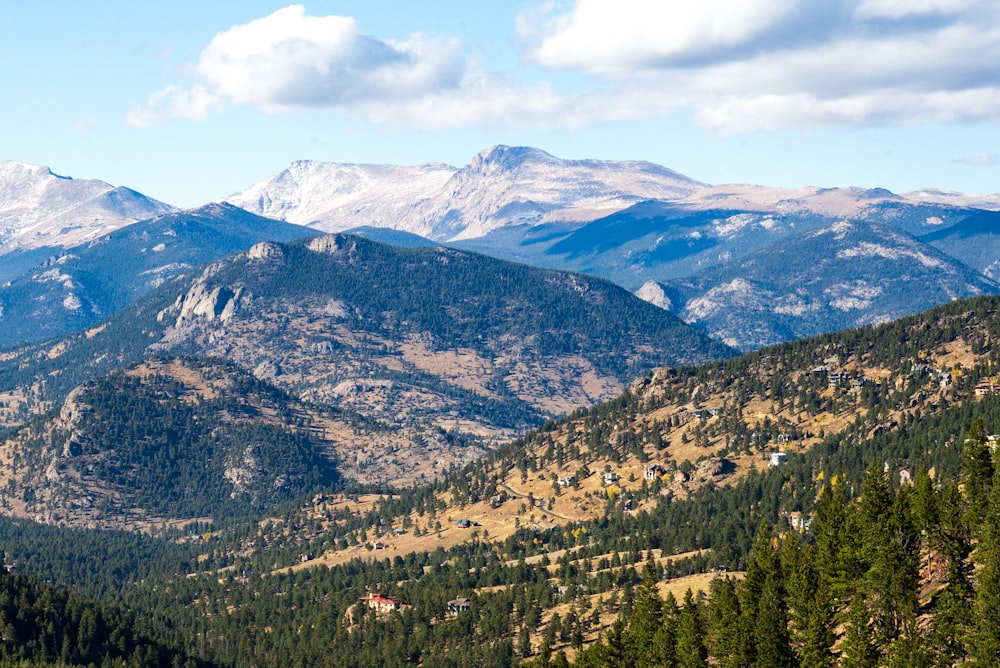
(188, 101)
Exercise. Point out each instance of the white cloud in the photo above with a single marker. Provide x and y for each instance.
(736, 65)
(742, 66)
(980, 160)
(616, 38)
(289, 60)
(897, 9)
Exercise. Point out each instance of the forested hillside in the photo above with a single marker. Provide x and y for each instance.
(870, 541)
(441, 339)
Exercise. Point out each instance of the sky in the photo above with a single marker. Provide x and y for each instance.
(190, 101)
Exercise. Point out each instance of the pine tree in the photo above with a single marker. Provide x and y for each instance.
(837, 543)
(951, 538)
(857, 650)
(724, 622)
(817, 640)
(665, 640)
(984, 640)
(763, 562)
(979, 469)
(691, 652)
(771, 631)
(645, 622)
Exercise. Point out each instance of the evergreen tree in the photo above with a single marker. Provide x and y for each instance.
(977, 462)
(857, 650)
(951, 537)
(817, 640)
(691, 651)
(984, 640)
(724, 622)
(771, 632)
(665, 640)
(645, 622)
(763, 563)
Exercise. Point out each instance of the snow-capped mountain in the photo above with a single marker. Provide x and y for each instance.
(502, 186)
(335, 197)
(39, 208)
(845, 274)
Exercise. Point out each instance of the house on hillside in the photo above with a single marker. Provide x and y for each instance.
(985, 387)
(463, 523)
(655, 471)
(777, 459)
(610, 478)
(381, 603)
(459, 605)
(798, 521)
(837, 378)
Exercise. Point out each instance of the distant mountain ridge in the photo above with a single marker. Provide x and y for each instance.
(840, 276)
(75, 288)
(501, 186)
(40, 208)
(631, 222)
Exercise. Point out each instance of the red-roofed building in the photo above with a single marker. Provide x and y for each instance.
(380, 603)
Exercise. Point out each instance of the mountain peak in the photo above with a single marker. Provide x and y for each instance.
(12, 167)
(510, 156)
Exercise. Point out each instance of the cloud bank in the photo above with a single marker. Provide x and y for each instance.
(737, 65)
(747, 65)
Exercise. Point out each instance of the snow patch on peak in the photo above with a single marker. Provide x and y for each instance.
(38, 207)
(502, 186)
(71, 302)
(736, 290)
(854, 295)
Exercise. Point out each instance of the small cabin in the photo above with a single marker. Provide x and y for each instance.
(655, 471)
(459, 605)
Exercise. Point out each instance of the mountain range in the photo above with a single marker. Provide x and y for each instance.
(704, 251)
(314, 424)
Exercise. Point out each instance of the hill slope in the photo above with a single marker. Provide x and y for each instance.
(839, 276)
(174, 440)
(453, 341)
(84, 284)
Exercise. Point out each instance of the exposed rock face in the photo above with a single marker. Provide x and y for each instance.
(714, 469)
(653, 292)
(265, 250)
(202, 302)
(326, 244)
